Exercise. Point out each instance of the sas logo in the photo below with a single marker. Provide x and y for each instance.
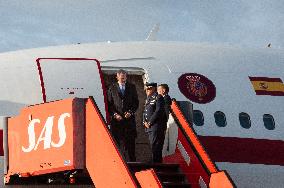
(197, 88)
(46, 133)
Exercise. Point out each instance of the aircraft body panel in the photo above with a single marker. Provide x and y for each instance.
(227, 67)
(257, 175)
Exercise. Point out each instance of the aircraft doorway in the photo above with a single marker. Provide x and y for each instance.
(135, 76)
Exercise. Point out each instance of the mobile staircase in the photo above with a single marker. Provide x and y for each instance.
(68, 142)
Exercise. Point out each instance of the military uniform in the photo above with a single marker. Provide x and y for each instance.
(154, 114)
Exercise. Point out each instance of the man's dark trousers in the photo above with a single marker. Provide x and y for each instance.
(125, 137)
(156, 138)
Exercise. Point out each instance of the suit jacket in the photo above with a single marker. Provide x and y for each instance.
(168, 103)
(154, 112)
(119, 103)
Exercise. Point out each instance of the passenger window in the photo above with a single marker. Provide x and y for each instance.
(244, 120)
(268, 121)
(198, 118)
(220, 119)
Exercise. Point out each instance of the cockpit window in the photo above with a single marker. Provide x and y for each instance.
(220, 119)
(268, 121)
(198, 118)
(245, 120)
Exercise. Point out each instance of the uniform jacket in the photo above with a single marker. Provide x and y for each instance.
(154, 112)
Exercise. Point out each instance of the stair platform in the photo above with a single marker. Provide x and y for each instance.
(169, 174)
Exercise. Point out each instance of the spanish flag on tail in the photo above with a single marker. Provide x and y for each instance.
(267, 86)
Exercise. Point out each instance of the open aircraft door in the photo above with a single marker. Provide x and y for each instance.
(62, 78)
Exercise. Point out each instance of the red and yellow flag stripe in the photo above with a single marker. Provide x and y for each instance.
(267, 86)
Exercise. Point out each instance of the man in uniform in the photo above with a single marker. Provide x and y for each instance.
(122, 105)
(154, 121)
(163, 89)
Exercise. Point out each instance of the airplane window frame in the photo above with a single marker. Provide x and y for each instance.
(200, 112)
(224, 123)
(268, 127)
(246, 125)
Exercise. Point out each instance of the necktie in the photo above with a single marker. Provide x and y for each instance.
(122, 89)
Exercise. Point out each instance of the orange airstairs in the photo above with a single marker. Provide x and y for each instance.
(68, 142)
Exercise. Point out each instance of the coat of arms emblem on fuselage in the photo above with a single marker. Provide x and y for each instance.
(197, 87)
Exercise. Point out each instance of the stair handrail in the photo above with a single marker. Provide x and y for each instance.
(218, 179)
(190, 134)
(93, 115)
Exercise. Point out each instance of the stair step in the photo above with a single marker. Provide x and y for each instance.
(176, 185)
(171, 177)
(159, 167)
(168, 173)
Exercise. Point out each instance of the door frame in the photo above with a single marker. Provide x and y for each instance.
(38, 62)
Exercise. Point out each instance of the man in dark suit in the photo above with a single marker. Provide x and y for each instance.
(122, 105)
(154, 121)
(163, 89)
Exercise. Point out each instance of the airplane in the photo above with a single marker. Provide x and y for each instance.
(237, 93)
